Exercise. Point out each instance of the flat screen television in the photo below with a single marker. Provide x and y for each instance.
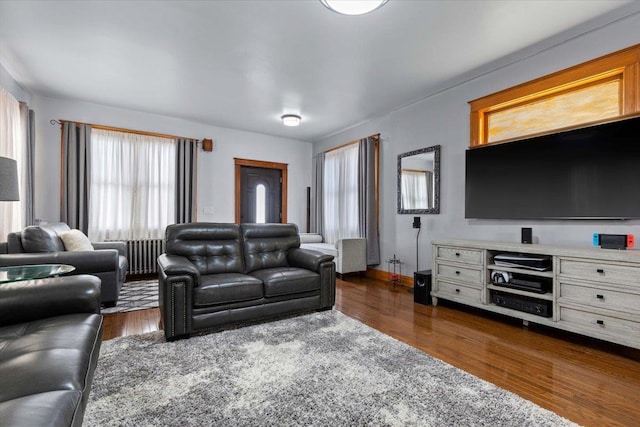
(587, 173)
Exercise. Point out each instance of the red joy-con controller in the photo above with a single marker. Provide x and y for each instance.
(631, 241)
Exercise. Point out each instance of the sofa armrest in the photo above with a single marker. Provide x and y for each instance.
(177, 276)
(323, 265)
(175, 264)
(307, 258)
(85, 262)
(121, 247)
(30, 300)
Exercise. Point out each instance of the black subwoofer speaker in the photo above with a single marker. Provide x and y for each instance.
(422, 287)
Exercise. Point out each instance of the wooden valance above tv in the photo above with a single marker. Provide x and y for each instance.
(596, 91)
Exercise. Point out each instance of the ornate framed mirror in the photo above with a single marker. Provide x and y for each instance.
(419, 181)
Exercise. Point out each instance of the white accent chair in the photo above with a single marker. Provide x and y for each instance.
(350, 254)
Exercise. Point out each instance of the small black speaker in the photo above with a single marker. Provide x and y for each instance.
(416, 222)
(527, 235)
(422, 287)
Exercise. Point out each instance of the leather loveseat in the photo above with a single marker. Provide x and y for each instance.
(50, 336)
(40, 244)
(214, 274)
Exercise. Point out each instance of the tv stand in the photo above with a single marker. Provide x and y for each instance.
(593, 292)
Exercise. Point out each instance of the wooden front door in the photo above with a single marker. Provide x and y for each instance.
(261, 191)
(261, 197)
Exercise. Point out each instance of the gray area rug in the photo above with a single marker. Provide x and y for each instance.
(138, 295)
(321, 369)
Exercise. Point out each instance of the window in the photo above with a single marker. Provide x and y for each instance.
(340, 181)
(347, 194)
(133, 186)
(13, 146)
(596, 91)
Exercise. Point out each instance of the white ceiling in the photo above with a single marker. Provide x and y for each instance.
(242, 64)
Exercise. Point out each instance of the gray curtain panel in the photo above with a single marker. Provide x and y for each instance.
(28, 118)
(76, 175)
(186, 180)
(367, 198)
(317, 211)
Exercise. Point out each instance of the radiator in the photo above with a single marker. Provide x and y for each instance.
(143, 254)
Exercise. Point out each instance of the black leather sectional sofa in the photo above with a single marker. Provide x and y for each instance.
(50, 336)
(40, 244)
(214, 274)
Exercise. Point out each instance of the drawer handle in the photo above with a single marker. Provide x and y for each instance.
(458, 273)
(457, 291)
(457, 253)
(600, 296)
(600, 322)
(601, 271)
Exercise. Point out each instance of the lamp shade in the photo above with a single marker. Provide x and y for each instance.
(8, 180)
(353, 7)
(291, 119)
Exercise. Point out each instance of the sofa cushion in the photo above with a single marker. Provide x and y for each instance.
(266, 245)
(40, 239)
(48, 355)
(51, 409)
(211, 247)
(287, 280)
(75, 240)
(223, 288)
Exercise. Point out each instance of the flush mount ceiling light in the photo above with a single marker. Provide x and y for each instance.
(353, 7)
(291, 119)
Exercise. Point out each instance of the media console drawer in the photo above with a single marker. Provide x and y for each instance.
(467, 275)
(599, 271)
(467, 256)
(624, 330)
(600, 298)
(459, 291)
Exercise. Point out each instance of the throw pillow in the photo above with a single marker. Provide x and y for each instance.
(75, 240)
(36, 239)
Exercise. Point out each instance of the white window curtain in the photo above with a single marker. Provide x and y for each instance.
(13, 146)
(340, 196)
(133, 186)
(414, 190)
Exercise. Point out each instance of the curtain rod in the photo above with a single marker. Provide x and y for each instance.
(116, 129)
(375, 136)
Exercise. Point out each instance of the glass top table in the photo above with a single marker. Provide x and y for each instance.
(30, 272)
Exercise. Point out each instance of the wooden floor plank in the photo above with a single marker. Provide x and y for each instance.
(590, 382)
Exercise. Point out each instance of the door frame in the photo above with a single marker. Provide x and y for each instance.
(265, 165)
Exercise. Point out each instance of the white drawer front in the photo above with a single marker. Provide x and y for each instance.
(600, 271)
(467, 275)
(625, 330)
(605, 299)
(465, 292)
(467, 256)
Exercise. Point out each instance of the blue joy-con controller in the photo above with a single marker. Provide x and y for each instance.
(596, 239)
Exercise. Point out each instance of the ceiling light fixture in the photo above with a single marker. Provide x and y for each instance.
(291, 119)
(353, 7)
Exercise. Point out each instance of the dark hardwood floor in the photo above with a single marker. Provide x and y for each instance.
(590, 382)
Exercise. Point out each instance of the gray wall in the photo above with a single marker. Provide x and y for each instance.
(9, 84)
(216, 173)
(216, 191)
(444, 119)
